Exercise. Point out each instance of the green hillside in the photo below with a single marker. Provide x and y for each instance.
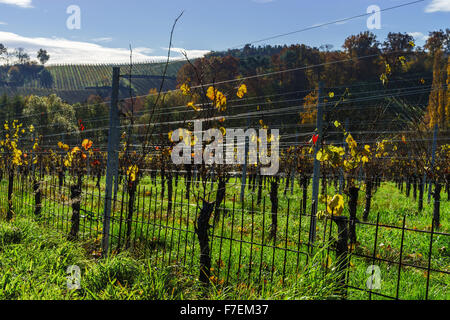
(75, 83)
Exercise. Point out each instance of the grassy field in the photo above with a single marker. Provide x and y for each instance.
(34, 260)
(245, 263)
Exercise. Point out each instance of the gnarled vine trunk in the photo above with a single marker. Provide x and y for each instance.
(221, 191)
(201, 229)
(132, 186)
(437, 203)
(37, 198)
(75, 197)
(274, 211)
(260, 185)
(352, 206)
(9, 214)
(188, 168)
(305, 182)
(369, 185)
(421, 191)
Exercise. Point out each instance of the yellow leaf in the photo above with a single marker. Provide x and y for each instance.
(336, 205)
(132, 172)
(185, 89)
(350, 141)
(193, 106)
(86, 144)
(242, 91)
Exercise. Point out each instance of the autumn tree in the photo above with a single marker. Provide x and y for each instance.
(209, 70)
(52, 118)
(3, 50)
(438, 103)
(43, 56)
(296, 56)
(22, 56)
(395, 47)
(437, 41)
(438, 45)
(363, 49)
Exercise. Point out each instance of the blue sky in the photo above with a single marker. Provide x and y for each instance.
(108, 27)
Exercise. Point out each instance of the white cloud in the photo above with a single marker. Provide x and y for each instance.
(438, 5)
(19, 3)
(191, 54)
(103, 39)
(143, 50)
(3, 23)
(418, 36)
(71, 52)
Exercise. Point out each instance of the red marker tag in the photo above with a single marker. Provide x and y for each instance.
(315, 138)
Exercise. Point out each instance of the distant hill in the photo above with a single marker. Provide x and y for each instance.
(75, 83)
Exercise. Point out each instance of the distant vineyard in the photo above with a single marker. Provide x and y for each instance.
(70, 81)
(78, 77)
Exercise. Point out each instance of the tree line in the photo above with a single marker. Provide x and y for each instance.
(363, 67)
(17, 67)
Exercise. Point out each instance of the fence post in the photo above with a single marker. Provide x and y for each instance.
(316, 170)
(433, 151)
(113, 158)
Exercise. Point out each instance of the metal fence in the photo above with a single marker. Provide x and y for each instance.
(235, 243)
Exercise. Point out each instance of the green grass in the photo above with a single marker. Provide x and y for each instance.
(256, 267)
(34, 260)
